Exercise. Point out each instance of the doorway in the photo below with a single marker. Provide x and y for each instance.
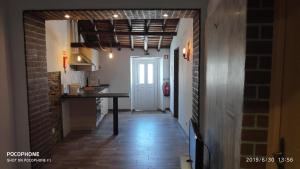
(35, 42)
(283, 140)
(176, 81)
(144, 83)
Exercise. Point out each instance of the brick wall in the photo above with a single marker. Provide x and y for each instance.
(37, 84)
(54, 82)
(196, 62)
(257, 81)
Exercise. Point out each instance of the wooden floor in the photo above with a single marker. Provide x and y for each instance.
(146, 141)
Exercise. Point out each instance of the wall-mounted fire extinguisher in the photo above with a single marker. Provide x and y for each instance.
(65, 57)
(166, 89)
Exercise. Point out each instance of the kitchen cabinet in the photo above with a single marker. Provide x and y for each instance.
(83, 113)
(102, 107)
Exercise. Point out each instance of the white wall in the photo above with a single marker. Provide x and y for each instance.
(7, 133)
(58, 39)
(116, 71)
(184, 35)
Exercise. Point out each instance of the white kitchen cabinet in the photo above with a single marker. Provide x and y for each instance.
(102, 107)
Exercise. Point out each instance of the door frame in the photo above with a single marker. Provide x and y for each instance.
(275, 107)
(134, 59)
(176, 85)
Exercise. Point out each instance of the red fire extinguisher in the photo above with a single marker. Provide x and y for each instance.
(166, 89)
(65, 57)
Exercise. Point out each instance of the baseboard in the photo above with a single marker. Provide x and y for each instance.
(181, 128)
(184, 162)
(186, 136)
(120, 110)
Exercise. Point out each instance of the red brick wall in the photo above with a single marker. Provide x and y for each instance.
(37, 84)
(257, 81)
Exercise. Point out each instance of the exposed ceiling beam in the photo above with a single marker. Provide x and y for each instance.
(96, 45)
(146, 28)
(130, 36)
(114, 32)
(146, 43)
(131, 33)
(90, 26)
(97, 35)
(161, 37)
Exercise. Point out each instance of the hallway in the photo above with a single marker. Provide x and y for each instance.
(146, 141)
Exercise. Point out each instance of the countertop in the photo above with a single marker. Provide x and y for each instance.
(95, 93)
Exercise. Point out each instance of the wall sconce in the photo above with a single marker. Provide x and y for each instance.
(110, 55)
(186, 52)
(79, 59)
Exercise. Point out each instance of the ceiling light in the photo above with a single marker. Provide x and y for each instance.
(115, 15)
(165, 15)
(67, 16)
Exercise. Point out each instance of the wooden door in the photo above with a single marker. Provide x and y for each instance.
(285, 94)
(176, 81)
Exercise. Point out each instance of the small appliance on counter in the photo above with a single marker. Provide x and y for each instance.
(73, 88)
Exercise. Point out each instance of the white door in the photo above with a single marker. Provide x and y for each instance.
(145, 84)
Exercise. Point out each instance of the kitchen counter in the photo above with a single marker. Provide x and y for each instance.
(95, 93)
(89, 97)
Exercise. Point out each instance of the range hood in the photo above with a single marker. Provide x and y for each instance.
(81, 62)
(80, 59)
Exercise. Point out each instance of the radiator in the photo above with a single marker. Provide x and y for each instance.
(195, 146)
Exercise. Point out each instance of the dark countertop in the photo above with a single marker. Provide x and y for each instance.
(95, 93)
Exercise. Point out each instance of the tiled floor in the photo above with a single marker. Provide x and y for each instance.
(151, 140)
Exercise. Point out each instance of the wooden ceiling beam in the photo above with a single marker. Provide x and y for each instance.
(131, 33)
(114, 33)
(146, 28)
(93, 27)
(130, 36)
(96, 45)
(98, 35)
(161, 37)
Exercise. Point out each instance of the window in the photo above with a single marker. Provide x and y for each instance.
(141, 74)
(150, 73)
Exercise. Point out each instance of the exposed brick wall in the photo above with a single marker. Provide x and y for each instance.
(196, 63)
(54, 82)
(37, 84)
(257, 81)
